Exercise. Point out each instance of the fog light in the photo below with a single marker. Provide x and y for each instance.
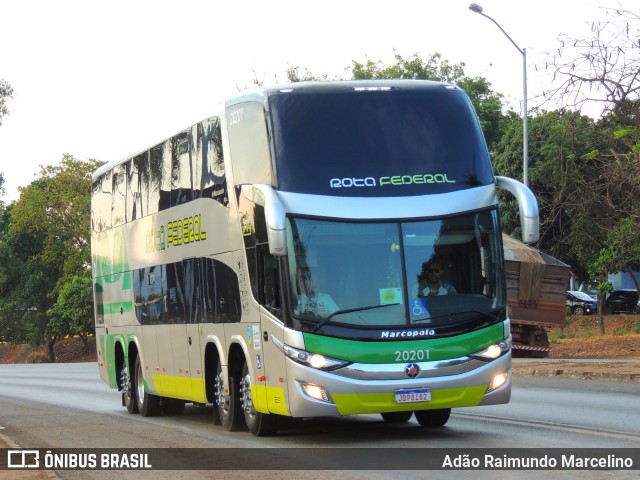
(497, 381)
(316, 391)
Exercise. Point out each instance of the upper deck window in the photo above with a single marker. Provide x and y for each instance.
(377, 142)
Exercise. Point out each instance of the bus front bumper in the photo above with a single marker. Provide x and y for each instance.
(362, 389)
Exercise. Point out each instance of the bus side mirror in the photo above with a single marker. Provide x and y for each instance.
(528, 205)
(275, 217)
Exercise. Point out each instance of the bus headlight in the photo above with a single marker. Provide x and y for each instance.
(313, 360)
(493, 351)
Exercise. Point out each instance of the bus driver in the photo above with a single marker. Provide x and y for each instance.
(430, 282)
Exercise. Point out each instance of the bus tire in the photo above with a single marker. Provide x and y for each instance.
(229, 404)
(396, 417)
(148, 404)
(433, 418)
(259, 424)
(218, 394)
(127, 382)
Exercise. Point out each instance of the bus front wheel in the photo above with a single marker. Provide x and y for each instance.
(433, 418)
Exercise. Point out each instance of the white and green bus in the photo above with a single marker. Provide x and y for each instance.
(311, 249)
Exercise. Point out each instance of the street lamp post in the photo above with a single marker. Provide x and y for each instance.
(474, 7)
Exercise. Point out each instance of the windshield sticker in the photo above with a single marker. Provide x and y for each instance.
(390, 296)
(394, 180)
(418, 309)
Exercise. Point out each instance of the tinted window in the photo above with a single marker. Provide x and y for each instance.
(392, 142)
(385, 274)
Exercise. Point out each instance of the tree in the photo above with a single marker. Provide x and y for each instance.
(58, 207)
(563, 177)
(601, 69)
(24, 284)
(72, 313)
(6, 94)
(46, 249)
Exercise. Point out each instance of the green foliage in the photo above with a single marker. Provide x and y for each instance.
(44, 256)
(621, 252)
(57, 208)
(72, 314)
(412, 68)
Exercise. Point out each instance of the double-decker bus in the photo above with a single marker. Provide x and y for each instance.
(311, 249)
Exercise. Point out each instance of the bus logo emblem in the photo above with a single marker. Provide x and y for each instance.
(412, 370)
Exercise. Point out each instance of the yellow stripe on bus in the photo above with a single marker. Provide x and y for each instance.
(184, 388)
(274, 397)
(350, 404)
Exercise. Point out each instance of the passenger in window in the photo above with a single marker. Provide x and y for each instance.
(430, 283)
(309, 300)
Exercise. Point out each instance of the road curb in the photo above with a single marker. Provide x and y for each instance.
(27, 475)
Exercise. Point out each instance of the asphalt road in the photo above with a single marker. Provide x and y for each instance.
(67, 406)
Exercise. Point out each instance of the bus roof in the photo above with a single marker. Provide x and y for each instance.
(337, 86)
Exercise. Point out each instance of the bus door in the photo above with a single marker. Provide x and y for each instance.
(177, 383)
(187, 353)
(270, 362)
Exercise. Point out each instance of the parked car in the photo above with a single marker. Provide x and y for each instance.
(579, 303)
(623, 301)
(590, 288)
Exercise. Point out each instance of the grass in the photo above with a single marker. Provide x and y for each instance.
(588, 326)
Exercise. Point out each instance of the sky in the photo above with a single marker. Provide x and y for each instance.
(103, 80)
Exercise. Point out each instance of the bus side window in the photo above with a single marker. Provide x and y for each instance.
(269, 278)
(228, 305)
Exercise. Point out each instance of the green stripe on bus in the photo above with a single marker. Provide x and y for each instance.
(117, 307)
(404, 351)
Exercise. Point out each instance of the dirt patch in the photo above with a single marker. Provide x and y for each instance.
(625, 347)
(581, 338)
(66, 350)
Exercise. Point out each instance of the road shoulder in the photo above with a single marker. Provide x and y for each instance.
(611, 370)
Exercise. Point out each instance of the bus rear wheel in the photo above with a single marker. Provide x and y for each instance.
(433, 418)
(228, 401)
(259, 424)
(148, 404)
(127, 381)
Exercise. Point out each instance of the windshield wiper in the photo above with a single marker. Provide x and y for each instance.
(351, 310)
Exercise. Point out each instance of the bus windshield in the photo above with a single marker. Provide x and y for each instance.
(393, 274)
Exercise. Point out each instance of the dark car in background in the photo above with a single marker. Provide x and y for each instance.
(579, 303)
(623, 301)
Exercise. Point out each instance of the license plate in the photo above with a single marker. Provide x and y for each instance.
(413, 395)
